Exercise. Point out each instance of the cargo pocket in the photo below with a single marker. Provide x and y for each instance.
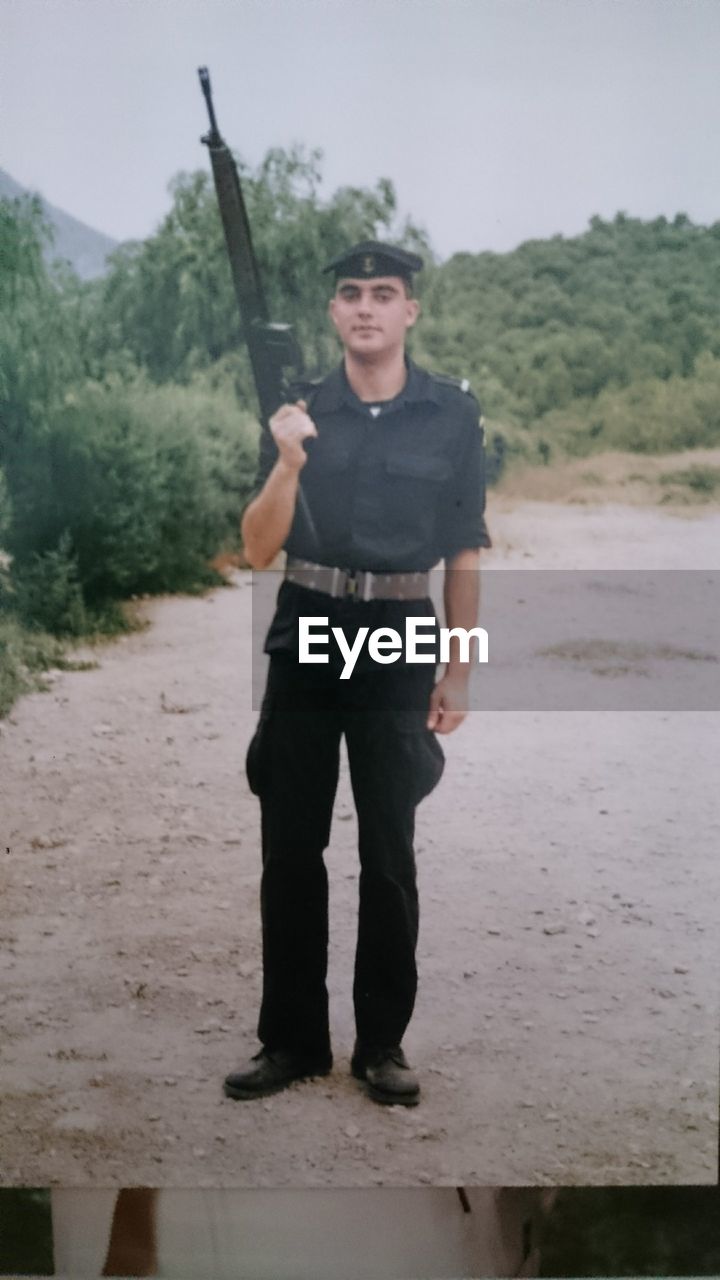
(427, 758)
(257, 758)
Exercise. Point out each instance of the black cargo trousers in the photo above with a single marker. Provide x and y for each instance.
(292, 765)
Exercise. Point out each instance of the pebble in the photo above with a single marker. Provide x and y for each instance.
(552, 929)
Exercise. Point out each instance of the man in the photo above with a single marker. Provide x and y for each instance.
(392, 482)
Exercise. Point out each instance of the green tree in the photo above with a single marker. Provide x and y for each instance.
(169, 300)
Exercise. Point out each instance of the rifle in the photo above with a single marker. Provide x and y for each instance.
(275, 356)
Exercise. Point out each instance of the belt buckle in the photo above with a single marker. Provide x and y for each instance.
(350, 591)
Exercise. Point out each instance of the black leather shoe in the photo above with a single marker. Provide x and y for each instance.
(387, 1074)
(270, 1071)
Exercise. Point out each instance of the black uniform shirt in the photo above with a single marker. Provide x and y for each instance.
(399, 490)
(389, 491)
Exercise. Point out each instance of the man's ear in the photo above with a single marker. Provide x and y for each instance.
(413, 311)
(331, 310)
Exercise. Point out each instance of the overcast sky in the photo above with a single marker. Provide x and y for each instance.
(497, 120)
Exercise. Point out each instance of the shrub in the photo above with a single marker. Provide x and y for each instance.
(701, 479)
(144, 482)
(652, 416)
(48, 594)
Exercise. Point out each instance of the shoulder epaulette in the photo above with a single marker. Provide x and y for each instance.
(461, 384)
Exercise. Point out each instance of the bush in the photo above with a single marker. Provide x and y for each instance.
(702, 480)
(653, 416)
(48, 595)
(143, 483)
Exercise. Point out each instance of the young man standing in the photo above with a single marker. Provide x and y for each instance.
(390, 462)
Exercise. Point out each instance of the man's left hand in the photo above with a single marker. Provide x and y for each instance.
(448, 703)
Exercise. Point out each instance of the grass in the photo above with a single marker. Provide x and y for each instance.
(28, 654)
(24, 657)
(704, 481)
(690, 479)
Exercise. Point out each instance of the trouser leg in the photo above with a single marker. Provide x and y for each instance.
(392, 764)
(300, 753)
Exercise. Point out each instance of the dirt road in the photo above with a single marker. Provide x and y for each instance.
(566, 1027)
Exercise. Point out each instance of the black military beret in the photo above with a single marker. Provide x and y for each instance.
(372, 258)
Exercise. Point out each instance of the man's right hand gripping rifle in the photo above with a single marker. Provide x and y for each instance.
(267, 521)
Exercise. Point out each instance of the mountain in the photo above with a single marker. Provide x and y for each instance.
(84, 248)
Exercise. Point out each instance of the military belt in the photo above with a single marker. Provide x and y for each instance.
(357, 584)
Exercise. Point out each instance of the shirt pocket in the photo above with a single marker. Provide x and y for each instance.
(413, 492)
(328, 458)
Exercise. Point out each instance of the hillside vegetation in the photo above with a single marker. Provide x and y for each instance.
(127, 427)
(606, 341)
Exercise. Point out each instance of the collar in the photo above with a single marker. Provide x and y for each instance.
(335, 391)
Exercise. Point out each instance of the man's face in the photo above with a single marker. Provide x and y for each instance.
(372, 317)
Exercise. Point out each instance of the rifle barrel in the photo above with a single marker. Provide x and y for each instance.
(267, 344)
(214, 138)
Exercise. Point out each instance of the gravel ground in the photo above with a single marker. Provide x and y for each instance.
(566, 1027)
